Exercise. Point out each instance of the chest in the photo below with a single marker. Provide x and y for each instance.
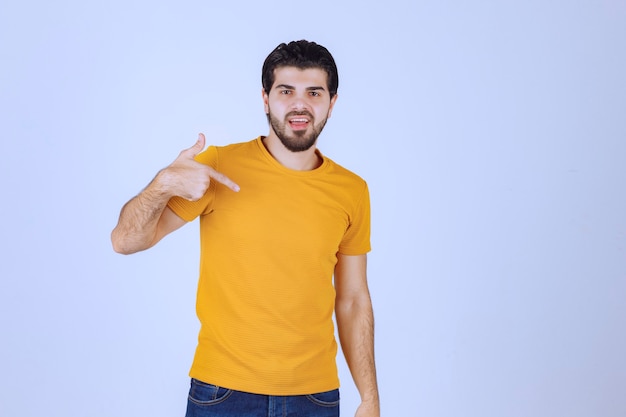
(309, 216)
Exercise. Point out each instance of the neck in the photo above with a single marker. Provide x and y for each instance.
(298, 161)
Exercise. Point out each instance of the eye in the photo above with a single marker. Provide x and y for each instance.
(314, 94)
(285, 92)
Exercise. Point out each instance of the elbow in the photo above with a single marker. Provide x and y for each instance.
(345, 308)
(120, 249)
(126, 245)
(353, 306)
(119, 245)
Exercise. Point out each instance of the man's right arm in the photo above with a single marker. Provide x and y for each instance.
(146, 219)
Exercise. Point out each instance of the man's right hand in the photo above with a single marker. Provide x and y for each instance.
(189, 179)
(145, 219)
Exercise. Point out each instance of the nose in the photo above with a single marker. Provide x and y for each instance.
(299, 102)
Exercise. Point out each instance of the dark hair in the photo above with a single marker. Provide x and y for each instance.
(303, 55)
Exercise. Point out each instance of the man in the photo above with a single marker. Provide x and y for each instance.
(277, 221)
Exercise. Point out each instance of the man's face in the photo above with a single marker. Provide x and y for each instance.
(298, 106)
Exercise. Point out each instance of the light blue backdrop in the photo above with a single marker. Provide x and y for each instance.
(493, 137)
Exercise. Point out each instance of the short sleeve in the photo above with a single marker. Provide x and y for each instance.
(356, 241)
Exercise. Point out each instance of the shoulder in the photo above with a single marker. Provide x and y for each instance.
(347, 188)
(344, 174)
(214, 153)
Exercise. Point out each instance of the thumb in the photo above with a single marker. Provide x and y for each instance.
(197, 147)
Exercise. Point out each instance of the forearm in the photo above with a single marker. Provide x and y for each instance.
(355, 322)
(136, 229)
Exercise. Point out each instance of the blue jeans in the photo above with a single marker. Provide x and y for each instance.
(206, 400)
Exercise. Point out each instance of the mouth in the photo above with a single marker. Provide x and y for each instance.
(299, 121)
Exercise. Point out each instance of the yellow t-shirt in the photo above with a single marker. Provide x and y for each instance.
(265, 294)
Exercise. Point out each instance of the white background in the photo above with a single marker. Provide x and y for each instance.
(493, 137)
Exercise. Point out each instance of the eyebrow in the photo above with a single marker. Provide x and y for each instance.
(290, 87)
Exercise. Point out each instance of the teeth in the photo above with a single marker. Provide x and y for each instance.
(299, 120)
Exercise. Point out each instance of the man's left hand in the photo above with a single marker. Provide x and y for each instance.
(368, 409)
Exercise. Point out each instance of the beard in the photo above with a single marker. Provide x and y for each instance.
(298, 141)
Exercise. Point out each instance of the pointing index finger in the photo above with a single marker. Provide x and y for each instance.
(223, 179)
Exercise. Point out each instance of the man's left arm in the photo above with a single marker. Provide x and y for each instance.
(355, 324)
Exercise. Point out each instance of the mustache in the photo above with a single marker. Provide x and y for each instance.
(300, 113)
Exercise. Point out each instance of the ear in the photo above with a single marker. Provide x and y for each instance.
(266, 103)
(332, 104)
